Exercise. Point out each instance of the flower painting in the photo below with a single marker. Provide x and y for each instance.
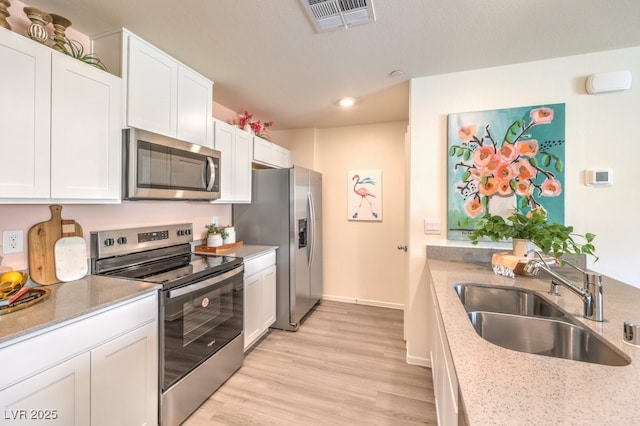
(364, 189)
(503, 159)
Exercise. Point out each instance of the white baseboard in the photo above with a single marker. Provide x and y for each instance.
(413, 360)
(363, 302)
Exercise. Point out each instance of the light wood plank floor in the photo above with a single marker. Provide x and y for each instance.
(344, 366)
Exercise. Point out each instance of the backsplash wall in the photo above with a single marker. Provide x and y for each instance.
(110, 216)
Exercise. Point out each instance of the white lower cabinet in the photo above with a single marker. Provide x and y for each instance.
(99, 370)
(259, 297)
(122, 376)
(445, 382)
(57, 396)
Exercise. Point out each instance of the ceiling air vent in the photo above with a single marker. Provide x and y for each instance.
(330, 15)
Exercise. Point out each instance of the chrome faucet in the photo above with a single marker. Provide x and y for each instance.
(591, 292)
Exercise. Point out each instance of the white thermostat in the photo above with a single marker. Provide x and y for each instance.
(598, 177)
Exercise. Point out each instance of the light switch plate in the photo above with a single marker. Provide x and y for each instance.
(432, 226)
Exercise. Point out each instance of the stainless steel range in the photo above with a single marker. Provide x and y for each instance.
(201, 309)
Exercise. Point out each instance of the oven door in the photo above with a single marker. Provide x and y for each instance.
(198, 319)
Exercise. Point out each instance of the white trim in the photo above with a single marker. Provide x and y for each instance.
(413, 360)
(363, 302)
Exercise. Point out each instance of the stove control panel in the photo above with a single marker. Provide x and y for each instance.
(153, 236)
(124, 241)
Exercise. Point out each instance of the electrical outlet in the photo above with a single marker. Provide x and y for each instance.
(13, 241)
(215, 220)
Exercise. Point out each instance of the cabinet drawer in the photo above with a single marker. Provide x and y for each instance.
(257, 264)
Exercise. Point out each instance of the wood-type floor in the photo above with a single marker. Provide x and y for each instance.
(344, 366)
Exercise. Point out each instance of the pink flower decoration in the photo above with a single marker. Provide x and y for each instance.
(541, 115)
(490, 187)
(466, 133)
(508, 152)
(504, 172)
(483, 155)
(524, 170)
(524, 188)
(551, 188)
(504, 188)
(473, 207)
(528, 148)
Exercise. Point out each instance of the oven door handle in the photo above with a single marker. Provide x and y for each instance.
(191, 288)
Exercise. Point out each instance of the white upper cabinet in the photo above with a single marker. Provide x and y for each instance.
(25, 116)
(270, 154)
(195, 97)
(60, 122)
(86, 137)
(161, 94)
(152, 89)
(235, 146)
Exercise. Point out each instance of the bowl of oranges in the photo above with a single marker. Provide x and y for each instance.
(11, 282)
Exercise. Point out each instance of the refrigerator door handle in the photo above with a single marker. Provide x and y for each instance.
(312, 225)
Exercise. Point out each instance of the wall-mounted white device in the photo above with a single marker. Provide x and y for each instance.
(598, 177)
(609, 82)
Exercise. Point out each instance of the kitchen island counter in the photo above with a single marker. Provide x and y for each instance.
(69, 301)
(501, 386)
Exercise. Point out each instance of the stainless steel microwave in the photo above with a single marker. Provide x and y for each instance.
(158, 167)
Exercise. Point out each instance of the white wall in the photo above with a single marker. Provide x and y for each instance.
(110, 216)
(361, 262)
(600, 132)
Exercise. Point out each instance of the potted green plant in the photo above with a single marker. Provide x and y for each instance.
(215, 235)
(552, 239)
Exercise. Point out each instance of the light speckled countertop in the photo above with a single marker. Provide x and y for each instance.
(246, 252)
(69, 301)
(503, 387)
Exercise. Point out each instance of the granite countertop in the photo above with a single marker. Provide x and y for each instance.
(246, 251)
(68, 301)
(501, 386)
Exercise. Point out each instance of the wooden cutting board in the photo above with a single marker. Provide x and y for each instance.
(41, 240)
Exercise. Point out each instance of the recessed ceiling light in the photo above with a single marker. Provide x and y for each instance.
(347, 102)
(396, 73)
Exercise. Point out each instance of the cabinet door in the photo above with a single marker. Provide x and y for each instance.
(268, 284)
(263, 151)
(124, 379)
(152, 89)
(282, 156)
(252, 306)
(25, 97)
(195, 97)
(86, 134)
(59, 395)
(224, 137)
(243, 154)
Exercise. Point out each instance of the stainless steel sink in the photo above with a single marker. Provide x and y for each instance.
(507, 300)
(546, 336)
(521, 320)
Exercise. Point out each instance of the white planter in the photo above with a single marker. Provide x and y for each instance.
(231, 235)
(214, 240)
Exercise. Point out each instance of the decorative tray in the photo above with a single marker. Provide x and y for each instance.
(33, 296)
(505, 263)
(204, 249)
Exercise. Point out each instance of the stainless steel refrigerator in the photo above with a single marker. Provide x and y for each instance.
(286, 211)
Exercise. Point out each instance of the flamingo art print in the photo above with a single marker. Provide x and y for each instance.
(364, 190)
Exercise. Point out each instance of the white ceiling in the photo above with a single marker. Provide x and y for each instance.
(264, 55)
